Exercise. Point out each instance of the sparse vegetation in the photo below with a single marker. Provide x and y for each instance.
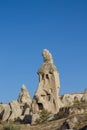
(11, 127)
(43, 116)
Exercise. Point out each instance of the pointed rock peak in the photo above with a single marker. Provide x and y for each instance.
(23, 87)
(48, 65)
(47, 56)
(24, 96)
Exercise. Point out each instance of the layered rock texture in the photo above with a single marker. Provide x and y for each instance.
(46, 96)
(17, 110)
(47, 108)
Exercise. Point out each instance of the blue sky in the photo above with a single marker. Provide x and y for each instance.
(26, 28)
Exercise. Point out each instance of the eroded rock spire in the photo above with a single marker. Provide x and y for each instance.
(47, 56)
(46, 96)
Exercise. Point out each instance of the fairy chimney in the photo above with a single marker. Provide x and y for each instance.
(46, 96)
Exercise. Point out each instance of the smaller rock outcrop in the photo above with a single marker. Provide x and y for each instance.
(69, 99)
(16, 111)
(5, 111)
(24, 96)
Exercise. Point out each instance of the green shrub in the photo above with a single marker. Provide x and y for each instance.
(43, 116)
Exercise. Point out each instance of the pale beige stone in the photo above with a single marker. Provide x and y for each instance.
(34, 118)
(69, 99)
(24, 96)
(46, 95)
(15, 110)
(6, 111)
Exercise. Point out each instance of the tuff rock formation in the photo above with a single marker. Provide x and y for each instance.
(24, 96)
(68, 111)
(70, 99)
(4, 112)
(46, 96)
(17, 110)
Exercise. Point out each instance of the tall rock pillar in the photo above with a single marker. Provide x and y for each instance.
(46, 96)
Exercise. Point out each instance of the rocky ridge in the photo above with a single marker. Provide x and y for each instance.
(61, 112)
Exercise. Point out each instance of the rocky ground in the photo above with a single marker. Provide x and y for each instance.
(47, 110)
(73, 118)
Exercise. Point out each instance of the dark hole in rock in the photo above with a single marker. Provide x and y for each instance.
(42, 76)
(47, 77)
(49, 97)
(53, 101)
(50, 72)
(65, 126)
(27, 119)
(1, 115)
(40, 106)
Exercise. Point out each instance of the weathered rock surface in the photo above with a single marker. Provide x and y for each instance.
(16, 111)
(5, 111)
(68, 111)
(73, 122)
(24, 96)
(70, 99)
(46, 95)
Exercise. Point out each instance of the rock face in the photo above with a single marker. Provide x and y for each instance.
(46, 95)
(17, 110)
(5, 111)
(68, 111)
(70, 99)
(25, 101)
(24, 96)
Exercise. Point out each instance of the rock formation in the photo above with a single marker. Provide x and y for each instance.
(46, 96)
(24, 96)
(4, 111)
(69, 110)
(70, 99)
(17, 110)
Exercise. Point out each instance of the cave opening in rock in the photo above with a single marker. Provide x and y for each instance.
(40, 106)
(47, 76)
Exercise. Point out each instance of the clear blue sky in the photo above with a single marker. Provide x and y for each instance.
(29, 26)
